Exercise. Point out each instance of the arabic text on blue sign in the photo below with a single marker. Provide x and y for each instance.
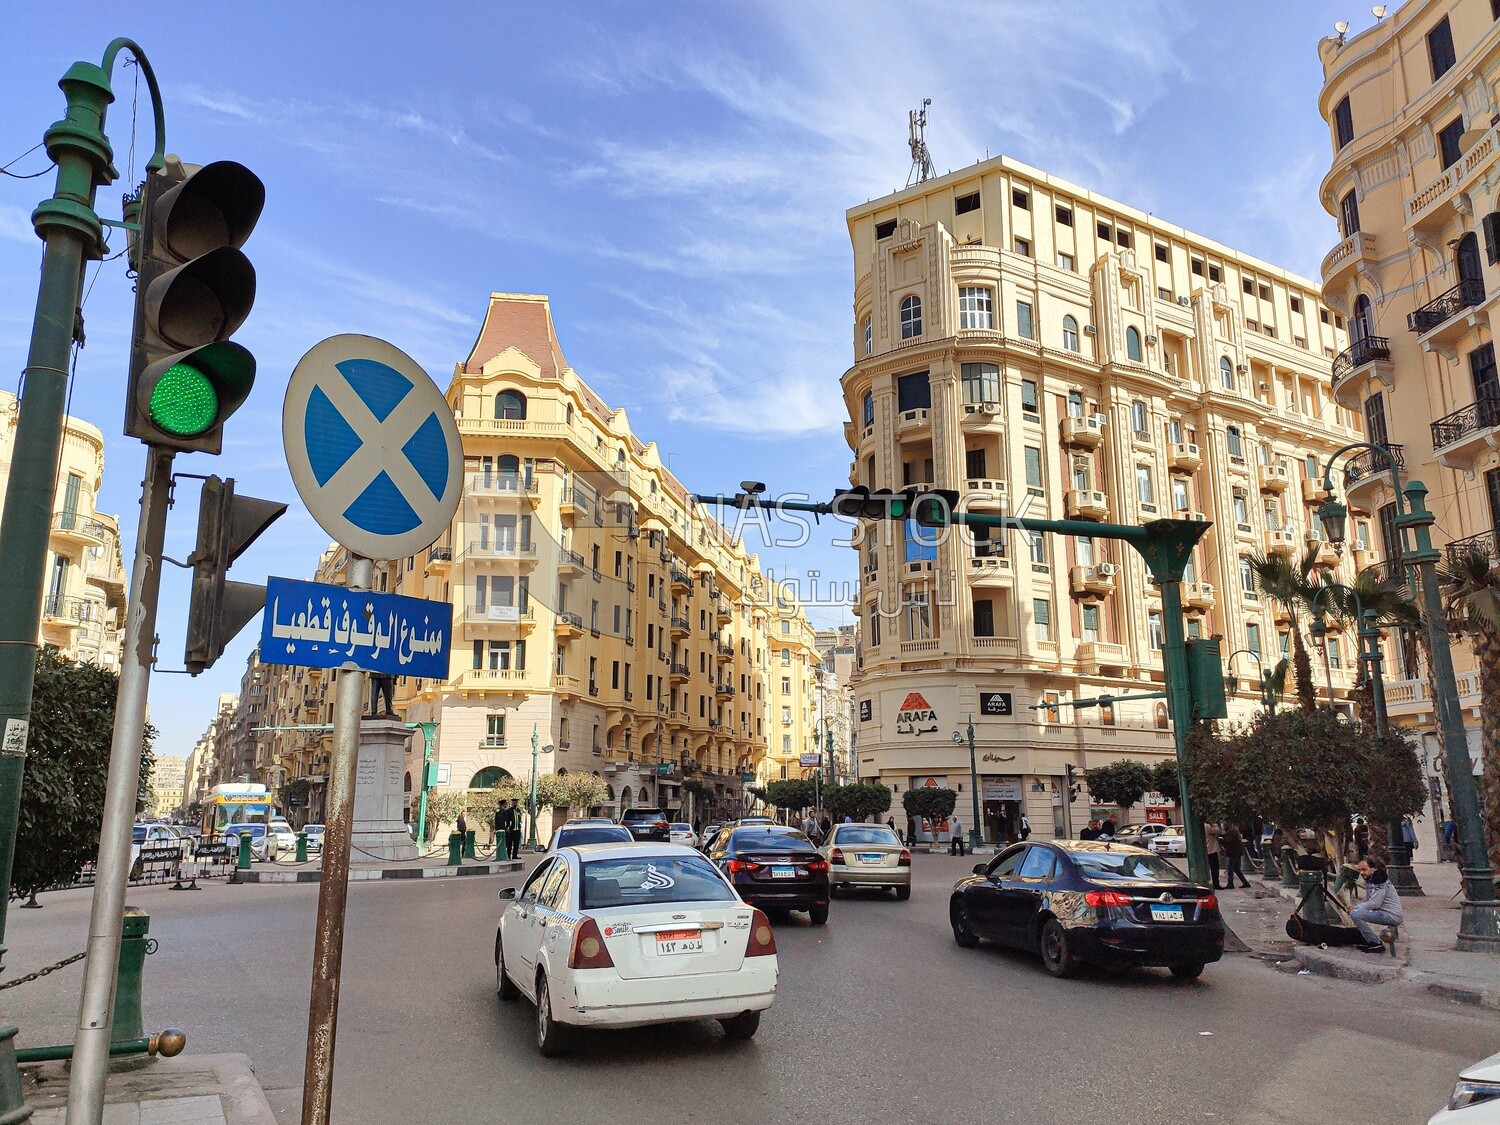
(321, 626)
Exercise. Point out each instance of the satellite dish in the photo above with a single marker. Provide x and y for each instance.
(1378, 11)
(1342, 27)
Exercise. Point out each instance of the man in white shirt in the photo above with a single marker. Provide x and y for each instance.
(955, 836)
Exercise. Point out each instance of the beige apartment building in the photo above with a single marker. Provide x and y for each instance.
(1044, 350)
(202, 770)
(167, 785)
(1412, 112)
(83, 606)
(794, 716)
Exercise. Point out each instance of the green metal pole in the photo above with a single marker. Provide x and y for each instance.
(429, 731)
(975, 836)
(1180, 707)
(531, 840)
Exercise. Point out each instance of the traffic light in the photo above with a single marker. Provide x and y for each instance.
(934, 507)
(1072, 781)
(930, 507)
(1206, 678)
(219, 609)
(194, 289)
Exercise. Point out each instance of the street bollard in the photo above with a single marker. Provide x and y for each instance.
(301, 847)
(244, 862)
(455, 849)
(502, 851)
(1288, 865)
(134, 945)
(1313, 908)
(469, 845)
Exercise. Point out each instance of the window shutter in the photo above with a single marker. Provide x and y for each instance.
(1492, 237)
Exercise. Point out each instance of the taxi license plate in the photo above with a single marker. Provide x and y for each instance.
(671, 942)
(783, 872)
(1166, 914)
(869, 857)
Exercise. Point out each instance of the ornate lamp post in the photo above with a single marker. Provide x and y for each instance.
(536, 748)
(1479, 916)
(976, 838)
(1232, 682)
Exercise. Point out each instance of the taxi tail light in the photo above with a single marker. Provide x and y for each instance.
(738, 865)
(762, 937)
(905, 860)
(589, 950)
(1107, 898)
(1208, 902)
(836, 856)
(817, 865)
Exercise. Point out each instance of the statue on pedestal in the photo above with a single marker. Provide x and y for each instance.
(382, 688)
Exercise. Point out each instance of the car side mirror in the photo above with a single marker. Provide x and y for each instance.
(508, 892)
(979, 868)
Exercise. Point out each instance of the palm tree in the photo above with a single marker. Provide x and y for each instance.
(1291, 586)
(1389, 601)
(1471, 591)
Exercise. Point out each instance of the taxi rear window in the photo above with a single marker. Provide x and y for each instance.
(646, 880)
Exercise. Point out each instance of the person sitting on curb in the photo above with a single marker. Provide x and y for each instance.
(1380, 906)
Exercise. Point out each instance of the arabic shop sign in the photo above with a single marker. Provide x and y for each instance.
(1001, 788)
(916, 715)
(321, 626)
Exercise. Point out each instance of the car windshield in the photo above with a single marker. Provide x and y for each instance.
(1125, 865)
(254, 831)
(138, 834)
(646, 880)
(770, 840)
(602, 834)
(854, 835)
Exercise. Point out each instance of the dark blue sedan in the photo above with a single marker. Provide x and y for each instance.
(1086, 900)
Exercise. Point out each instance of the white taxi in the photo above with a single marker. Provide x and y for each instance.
(612, 935)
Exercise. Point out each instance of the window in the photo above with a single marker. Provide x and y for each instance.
(786, 685)
(1440, 49)
(1213, 273)
(1122, 238)
(1083, 550)
(1138, 418)
(494, 734)
(1021, 199)
(1248, 286)
(1343, 123)
(1065, 262)
(1024, 327)
(911, 317)
(1272, 513)
(981, 382)
(918, 618)
(1198, 266)
(1083, 477)
(1265, 292)
(976, 308)
(1179, 495)
(1349, 214)
(1226, 373)
(1133, 344)
(885, 229)
(1088, 620)
(984, 618)
(1492, 232)
(1075, 404)
(1161, 252)
(1104, 231)
(1375, 417)
(1448, 139)
(1154, 627)
(1333, 653)
(1064, 215)
(869, 334)
(1310, 466)
(1233, 441)
(1028, 396)
(1252, 639)
(1041, 616)
(913, 392)
(869, 411)
(1247, 578)
(1033, 467)
(1174, 431)
(1036, 543)
(1485, 377)
(1070, 333)
(974, 466)
(1144, 492)
(1296, 304)
(510, 404)
(966, 203)
(1023, 247)
(921, 542)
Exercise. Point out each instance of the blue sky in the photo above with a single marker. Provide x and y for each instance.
(673, 176)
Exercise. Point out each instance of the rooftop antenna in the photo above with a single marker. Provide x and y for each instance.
(921, 159)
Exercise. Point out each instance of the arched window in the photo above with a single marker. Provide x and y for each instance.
(1161, 716)
(1470, 272)
(1133, 344)
(1070, 333)
(1226, 373)
(510, 473)
(619, 457)
(625, 797)
(408, 781)
(1233, 441)
(568, 414)
(869, 410)
(869, 332)
(510, 404)
(1362, 322)
(488, 778)
(911, 317)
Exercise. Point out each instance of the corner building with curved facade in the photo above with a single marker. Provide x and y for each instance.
(1046, 351)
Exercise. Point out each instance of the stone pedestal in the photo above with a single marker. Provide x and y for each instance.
(379, 797)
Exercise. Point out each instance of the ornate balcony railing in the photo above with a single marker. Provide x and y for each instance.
(1486, 543)
(1466, 294)
(1360, 353)
(1480, 415)
(1390, 571)
(1370, 463)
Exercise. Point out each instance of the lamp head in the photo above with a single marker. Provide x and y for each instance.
(1335, 519)
(1232, 684)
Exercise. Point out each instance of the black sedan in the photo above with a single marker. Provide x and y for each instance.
(774, 868)
(1087, 900)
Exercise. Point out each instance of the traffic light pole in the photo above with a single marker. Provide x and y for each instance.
(112, 872)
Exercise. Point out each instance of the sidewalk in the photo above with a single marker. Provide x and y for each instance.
(1426, 957)
(186, 1090)
(423, 867)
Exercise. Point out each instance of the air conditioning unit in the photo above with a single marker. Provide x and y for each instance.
(1107, 570)
(1089, 330)
(1243, 369)
(1186, 302)
(1150, 339)
(987, 408)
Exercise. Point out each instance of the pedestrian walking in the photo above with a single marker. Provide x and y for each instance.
(825, 826)
(890, 822)
(955, 836)
(1234, 853)
(1409, 834)
(1211, 846)
(1090, 831)
(463, 834)
(1107, 829)
(513, 837)
(810, 829)
(502, 820)
(1025, 826)
(1381, 905)
(1449, 849)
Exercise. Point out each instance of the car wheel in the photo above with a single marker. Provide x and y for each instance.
(742, 1026)
(818, 915)
(961, 932)
(552, 1038)
(504, 986)
(903, 892)
(1054, 946)
(1188, 972)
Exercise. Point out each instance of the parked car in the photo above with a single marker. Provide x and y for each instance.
(1170, 841)
(1082, 900)
(575, 832)
(774, 867)
(154, 835)
(867, 855)
(680, 832)
(646, 824)
(606, 935)
(709, 832)
(286, 839)
(262, 843)
(314, 838)
(1476, 1097)
(1138, 835)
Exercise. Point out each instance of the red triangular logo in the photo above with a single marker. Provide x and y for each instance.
(915, 702)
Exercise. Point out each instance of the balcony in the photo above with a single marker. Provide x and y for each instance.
(724, 654)
(678, 672)
(1353, 360)
(1275, 478)
(980, 414)
(80, 530)
(501, 552)
(1184, 455)
(1356, 250)
(66, 612)
(1312, 490)
(680, 626)
(724, 691)
(478, 615)
(989, 570)
(1087, 504)
(1369, 469)
(1004, 648)
(1198, 595)
(1093, 581)
(918, 419)
(723, 611)
(439, 560)
(495, 679)
(1100, 653)
(1439, 323)
(568, 687)
(1280, 541)
(1485, 543)
(568, 624)
(570, 564)
(1458, 439)
(681, 580)
(1087, 432)
(981, 493)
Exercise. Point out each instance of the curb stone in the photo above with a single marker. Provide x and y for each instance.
(358, 874)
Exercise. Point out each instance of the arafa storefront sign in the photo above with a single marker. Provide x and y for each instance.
(916, 715)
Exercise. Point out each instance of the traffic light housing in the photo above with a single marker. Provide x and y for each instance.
(1072, 782)
(930, 507)
(194, 288)
(218, 609)
(1206, 678)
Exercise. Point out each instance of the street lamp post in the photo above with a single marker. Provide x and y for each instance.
(1479, 915)
(429, 731)
(536, 748)
(1232, 682)
(976, 838)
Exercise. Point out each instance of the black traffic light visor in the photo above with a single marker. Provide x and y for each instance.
(218, 205)
(205, 300)
(228, 366)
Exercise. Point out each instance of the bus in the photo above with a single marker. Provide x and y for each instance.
(232, 804)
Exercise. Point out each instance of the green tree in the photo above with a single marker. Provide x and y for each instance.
(860, 800)
(1121, 783)
(67, 760)
(790, 794)
(1471, 588)
(929, 803)
(1291, 586)
(1166, 780)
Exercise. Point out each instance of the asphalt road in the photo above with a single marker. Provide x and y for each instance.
(879, 1016)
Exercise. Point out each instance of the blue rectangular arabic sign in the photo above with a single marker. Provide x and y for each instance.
(319, 626)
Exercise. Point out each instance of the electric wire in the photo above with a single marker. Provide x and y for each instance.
(5, 168)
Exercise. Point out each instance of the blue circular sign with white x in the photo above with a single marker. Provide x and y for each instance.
(372, 446)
